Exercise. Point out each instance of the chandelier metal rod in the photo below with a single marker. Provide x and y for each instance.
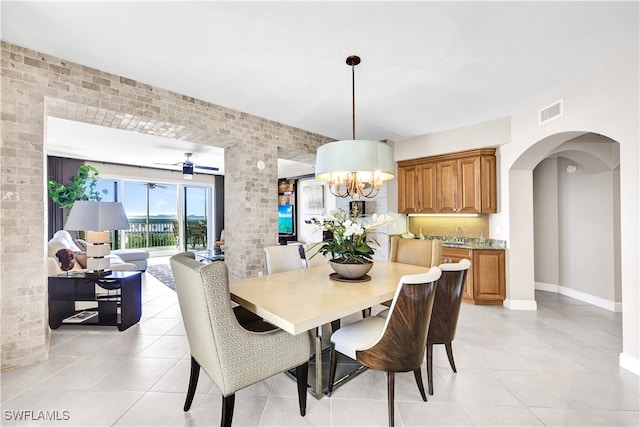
(353, 60)
(353, 100)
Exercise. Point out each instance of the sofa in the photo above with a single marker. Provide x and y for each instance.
(135, 259)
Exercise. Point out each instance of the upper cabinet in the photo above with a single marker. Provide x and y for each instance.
(454, 183)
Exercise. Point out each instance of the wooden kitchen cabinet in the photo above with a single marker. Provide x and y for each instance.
(485, 283)
(417, 189)
(454, 183)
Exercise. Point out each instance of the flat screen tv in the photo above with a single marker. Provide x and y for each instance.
(285, 219)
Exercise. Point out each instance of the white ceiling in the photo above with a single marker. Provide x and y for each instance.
(426, 66)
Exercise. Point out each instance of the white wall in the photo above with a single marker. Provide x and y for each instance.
(487, 134)
(585, 210)
(575, 234)
(545, 222)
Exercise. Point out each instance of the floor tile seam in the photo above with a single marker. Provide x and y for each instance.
(55, 372)
(269, 395)
(508, 389)
(150, 388)
(334, 397)
(124, 412)
(527, 408)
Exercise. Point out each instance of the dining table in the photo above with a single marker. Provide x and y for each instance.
(305, 300)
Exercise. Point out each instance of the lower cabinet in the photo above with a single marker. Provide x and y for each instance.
(486, 283)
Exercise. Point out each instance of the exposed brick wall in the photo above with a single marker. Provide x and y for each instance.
(35, 86)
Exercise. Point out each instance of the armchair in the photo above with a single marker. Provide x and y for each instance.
(233, 357)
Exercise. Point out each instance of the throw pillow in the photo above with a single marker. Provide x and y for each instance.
(66, 259)
(82, 244)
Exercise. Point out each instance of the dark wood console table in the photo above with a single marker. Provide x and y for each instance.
(117, 297)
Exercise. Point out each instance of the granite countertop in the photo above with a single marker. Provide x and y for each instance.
(489, 244)
(468, 242)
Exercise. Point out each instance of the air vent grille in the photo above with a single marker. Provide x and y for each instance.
(551, 112)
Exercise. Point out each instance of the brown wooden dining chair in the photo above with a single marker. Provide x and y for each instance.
(394, 344)
(445, 313)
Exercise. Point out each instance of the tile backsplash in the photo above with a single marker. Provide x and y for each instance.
(448, 226)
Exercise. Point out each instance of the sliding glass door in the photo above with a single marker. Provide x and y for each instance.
(163, 218)
(153, 215)
(196, 213)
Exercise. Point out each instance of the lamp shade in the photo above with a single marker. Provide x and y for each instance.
(97, 216)
(354, 156)
(386, 165)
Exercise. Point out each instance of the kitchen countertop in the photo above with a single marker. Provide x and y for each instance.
(468, 242)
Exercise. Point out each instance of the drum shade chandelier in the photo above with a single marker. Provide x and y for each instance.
(354, 168)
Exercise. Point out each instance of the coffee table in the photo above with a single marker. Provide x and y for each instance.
(211, 254)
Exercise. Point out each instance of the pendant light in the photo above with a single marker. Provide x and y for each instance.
(354, 168)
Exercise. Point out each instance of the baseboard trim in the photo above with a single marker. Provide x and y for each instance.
(581, 296)
(630, 364)
(520, 304)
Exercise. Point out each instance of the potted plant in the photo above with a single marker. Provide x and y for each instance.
(349, 246)
(85, 178)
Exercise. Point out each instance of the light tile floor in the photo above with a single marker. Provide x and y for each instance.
(556, 367)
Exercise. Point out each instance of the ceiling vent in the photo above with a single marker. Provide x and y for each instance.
(551, 112)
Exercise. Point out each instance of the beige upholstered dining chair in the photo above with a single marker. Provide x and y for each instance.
(312, 256)
(394, 344)
(232, 356)
(281, 258)
(425, 253)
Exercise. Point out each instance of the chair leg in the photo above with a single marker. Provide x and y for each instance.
(302, 374)
(193, 383)
(418, 374)
(450, 356)
(227, 410)
(390, 396)
(332, 368)
(430, 368)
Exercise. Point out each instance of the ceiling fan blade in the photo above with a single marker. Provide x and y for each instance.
(169, 164)
(209, 168)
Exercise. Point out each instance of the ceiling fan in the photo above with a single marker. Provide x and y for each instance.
(188, 166)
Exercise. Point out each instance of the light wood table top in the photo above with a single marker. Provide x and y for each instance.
(301, 300)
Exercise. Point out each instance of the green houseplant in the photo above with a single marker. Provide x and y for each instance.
(349, 245)
(82, 187)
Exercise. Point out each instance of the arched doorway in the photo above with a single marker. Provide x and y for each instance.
(541, 194)
(576, 206)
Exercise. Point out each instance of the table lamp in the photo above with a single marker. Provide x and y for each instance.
(97, 219)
